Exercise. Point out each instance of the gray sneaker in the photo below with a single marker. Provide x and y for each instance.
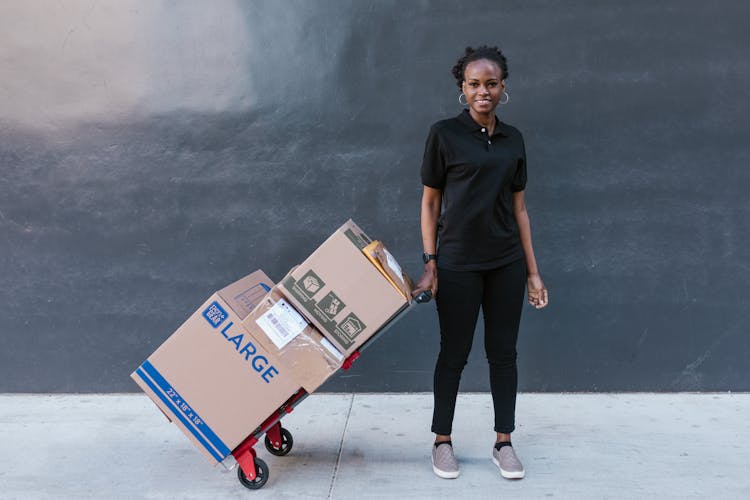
(508, 463)
(443, 462)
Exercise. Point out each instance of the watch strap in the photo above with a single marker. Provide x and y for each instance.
(427, 257)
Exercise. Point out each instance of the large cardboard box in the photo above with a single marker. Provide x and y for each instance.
(341, 292)
(300, 347)
(212, 378)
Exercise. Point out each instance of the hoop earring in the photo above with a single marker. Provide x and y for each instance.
(460, 101)
(507, 98)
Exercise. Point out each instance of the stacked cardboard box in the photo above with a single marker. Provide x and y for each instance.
(341, 292)
(252, 345)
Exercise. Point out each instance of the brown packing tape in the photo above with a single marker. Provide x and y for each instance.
(379, 256)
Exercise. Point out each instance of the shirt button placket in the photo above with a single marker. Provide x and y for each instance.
(489, 141)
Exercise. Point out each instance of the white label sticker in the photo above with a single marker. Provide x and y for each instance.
(393, 264)
(281, 323)
(336, 354)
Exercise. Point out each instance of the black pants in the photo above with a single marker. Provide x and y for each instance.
(500, 293)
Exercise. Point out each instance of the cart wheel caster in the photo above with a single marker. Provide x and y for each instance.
(261, 475)
(286, 444)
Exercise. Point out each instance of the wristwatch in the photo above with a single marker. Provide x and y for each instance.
(427, 257)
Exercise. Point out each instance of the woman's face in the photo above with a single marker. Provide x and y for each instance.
(483, 85)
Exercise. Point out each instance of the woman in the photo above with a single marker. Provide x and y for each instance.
(474, 168)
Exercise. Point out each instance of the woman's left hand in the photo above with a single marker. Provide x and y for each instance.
(537, 292)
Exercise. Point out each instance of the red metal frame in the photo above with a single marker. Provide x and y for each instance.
(245, 454)
(274, 435)
(348, 361)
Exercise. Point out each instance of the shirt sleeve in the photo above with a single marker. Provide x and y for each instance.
(433, 163)
(519, 178)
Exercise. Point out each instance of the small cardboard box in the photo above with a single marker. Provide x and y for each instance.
(341, 292)
(300, 347)
(212, 378)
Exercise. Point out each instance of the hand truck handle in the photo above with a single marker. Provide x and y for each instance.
(423, 297)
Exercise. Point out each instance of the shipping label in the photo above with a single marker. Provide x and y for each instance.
(281, 323)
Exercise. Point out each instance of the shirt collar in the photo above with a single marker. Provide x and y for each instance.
(467, 120)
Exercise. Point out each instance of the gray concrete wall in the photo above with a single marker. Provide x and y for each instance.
(152, 152)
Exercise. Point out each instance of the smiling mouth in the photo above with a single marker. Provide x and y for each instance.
(483, 101)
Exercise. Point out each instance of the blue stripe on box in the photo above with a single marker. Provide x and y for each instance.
(182, 419)
(196, 420)
(185, 413)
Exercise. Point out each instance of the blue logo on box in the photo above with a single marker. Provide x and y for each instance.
(215, 314)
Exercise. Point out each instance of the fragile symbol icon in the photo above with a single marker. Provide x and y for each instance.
(311, 284)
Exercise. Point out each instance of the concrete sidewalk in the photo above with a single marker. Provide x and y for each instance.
(574, 446)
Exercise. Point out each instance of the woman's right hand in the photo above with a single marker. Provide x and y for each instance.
(428, 281)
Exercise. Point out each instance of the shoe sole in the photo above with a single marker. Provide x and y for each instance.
(443, 474)
(508, 474)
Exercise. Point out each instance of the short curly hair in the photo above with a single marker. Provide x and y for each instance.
(482, 52)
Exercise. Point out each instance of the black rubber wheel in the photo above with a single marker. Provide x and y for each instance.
(261, 475)
(286, 444)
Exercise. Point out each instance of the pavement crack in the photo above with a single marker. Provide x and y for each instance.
(341, 449)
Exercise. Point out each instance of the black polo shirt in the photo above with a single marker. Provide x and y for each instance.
(478, 175)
